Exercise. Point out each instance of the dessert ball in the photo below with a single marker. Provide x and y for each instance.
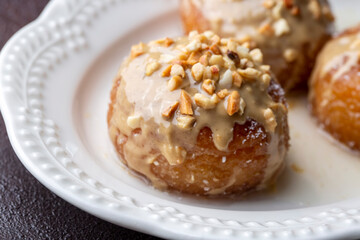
(335, 88)
(290, 33)
(200, 115)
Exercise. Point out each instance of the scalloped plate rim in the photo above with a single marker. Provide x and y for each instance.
(128, 220)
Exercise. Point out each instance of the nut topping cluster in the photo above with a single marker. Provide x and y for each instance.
(313, 6)
(216, 69)
(278, 26)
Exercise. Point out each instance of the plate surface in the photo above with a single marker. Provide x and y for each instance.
(55, 79)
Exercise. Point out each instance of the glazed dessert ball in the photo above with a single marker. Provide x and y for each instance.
(199, 115)
(290, 33)
(335, 88)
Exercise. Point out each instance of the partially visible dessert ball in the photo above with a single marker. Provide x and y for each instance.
(199, 115)
(290, 33)
(335, 88)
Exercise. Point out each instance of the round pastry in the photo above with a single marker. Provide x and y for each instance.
(335, 88)
(199, 115)
(290, 33)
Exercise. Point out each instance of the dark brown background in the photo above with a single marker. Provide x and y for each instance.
(27, 209)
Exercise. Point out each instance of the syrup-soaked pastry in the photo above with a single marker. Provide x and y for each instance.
(335, 88)
(290, 33)
(200, 115)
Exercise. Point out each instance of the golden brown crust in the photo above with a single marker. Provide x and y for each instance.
(340, 116)
(114, 89)
(335, 99)
(206, 166)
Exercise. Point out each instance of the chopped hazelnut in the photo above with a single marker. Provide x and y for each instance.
(167, 42)
(250, 73)
(266, 29)
(204, 46)
(151, 68)
(231, 45)
(204, 60)
(290, 55)
(215, 40)
(233, 103)
(242, 51)
(177, 70)
(201, 37)
(185, 122)
(166, 71)
(183, 56)
(182, 63)
(205, 102)
(197, 71)
(237, 79)
(169, 112)
(208, 86)
(269, 4)
(242, 106)
(314, 8)
(216, 60)
(244, 62)
(215, 72)
(223, 93)
(250, 64)
(207, 73)
(224, 41)
(256, 56)
(194, 45)
(228, 63)
(193, 34)
(281, 27)
(247, 44)
(215, 49)
(185, 103)
(226, 80)
(265, 68)
(174, 83)
(276, 10)
(209, 34)
(270, 119)
(138, 50)
(194, 58)
(133, 122)
(266, 78)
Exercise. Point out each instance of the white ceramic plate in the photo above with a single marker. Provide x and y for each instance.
(55, 78)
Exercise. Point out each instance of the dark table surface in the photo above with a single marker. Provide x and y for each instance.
(27, 209)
